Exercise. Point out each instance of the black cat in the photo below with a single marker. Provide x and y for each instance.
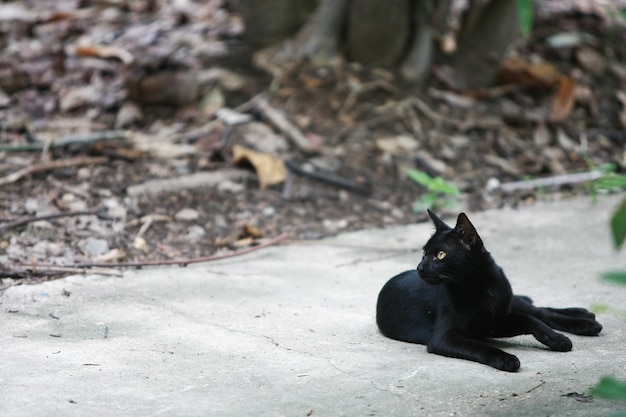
(458, 297)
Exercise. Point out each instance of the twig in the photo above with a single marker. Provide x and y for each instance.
(61, 269)
(185, 182)
(76, 139)
(283, 124)
(327, 178)
(535, 387)
(33, 169)
(431, 114)
(557, 180)
(357, 88)
(181, 262)
(32, 219)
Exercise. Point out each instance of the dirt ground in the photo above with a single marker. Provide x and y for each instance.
(98, 100)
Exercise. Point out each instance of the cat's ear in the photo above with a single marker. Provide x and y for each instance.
(467, 232)
(439, 224)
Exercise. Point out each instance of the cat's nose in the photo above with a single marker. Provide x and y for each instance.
(420, 267)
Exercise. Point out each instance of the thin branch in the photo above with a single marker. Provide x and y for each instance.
(83, 139)
(33, 169)
(328, 178)
(25, 270)
(25, 220)
(181, 262)
(557, 180)
(282, 123)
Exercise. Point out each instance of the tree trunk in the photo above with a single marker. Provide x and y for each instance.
(271, 21)
(484, 41)
(378, 31)
(400, 34)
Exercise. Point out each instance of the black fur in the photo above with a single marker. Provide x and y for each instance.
(453, 304)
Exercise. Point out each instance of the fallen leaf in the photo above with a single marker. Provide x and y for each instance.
(563, 101)
(241, 243)
(187, 214)
(112, 255)
(140, 244)
(104, 51)
(530, 74)
(395, 145)
(270, 169)
(80, 96)
(212, 102)
(591, 61)
(251, 231)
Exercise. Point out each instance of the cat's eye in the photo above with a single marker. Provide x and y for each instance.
(423, 252)
(441, 254)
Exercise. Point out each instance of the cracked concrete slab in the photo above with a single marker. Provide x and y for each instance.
(289, 331)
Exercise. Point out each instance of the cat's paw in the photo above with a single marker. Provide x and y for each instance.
(505, 362)
(576, 312)
(586, 327)
(559, 342)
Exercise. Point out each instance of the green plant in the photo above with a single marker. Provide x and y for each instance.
(525, 16)
(609, 387)
(612, 182)
(439, 193)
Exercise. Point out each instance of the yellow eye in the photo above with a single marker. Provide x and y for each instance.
(441, 255)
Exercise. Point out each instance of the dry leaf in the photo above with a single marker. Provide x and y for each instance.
(104, 51)
(212, 102)
(111, 256)
(140, 244)
(530, 74)
(270, 170)
(563, 101)
(250, 231)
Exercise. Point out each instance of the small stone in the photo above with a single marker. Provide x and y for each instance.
(231, 186)
(194, 232)
(492, 184)
(335, 225)
(140, 244)
(268, 211)
(187, 214)
(31, 205)
(93, 246)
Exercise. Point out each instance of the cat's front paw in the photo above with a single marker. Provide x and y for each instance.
(587, 327)
(560, 343)
(505, 362)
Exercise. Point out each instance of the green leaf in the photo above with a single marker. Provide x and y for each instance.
(615, 276)
(609, 387)
(441, 186)
(420, 177)
(611, 182)
(525, 16)
(618, 225)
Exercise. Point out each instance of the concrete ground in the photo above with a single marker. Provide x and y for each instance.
(289, 331)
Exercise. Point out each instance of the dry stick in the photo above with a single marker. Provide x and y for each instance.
(557, 180)
(181, 262)
(282, 123)
(32, 219)
(60, 269)
(327, 178)
(431, 114)
(76, 139)
(33, 169)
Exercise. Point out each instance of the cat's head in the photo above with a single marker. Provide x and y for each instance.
(451, 253)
